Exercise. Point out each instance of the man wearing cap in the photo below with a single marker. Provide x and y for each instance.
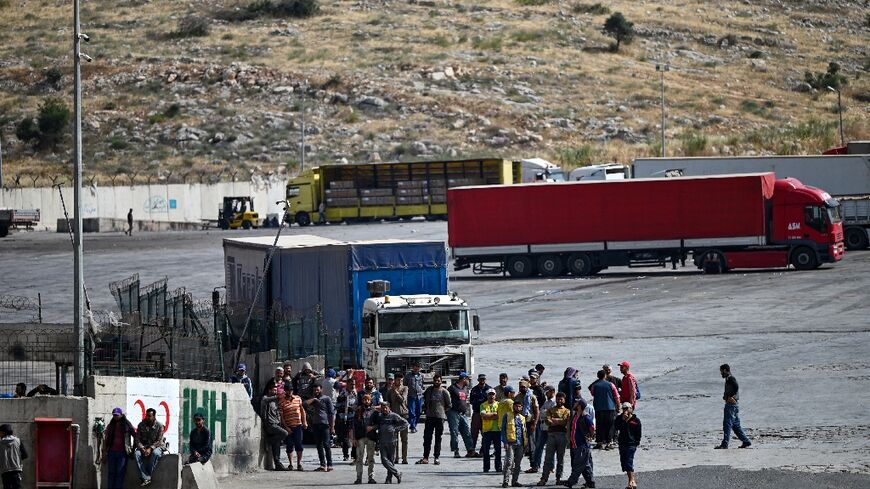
(272, 424)
(476, 398)
(414, 382)
(397, 398)
(531, 411)
(605, 399)
(499, 389)
(732, 411)
(118, 442)
(241, 377)
(556, 418)
(568, 385)
(294, 419)
(542, 432)
(628, 433)
(149, 444)
(199, 441)
(436, 403)
(515, 440)
(457, 416)
(629, 385)
(506, 405)
(536, 387)
(491, 430)
(581, 429)
(277, 382)
(389, 425)
(328, 384)
(540, 369)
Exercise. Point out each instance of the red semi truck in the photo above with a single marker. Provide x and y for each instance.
(722, 222)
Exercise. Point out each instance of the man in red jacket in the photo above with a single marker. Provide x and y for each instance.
(629, 385)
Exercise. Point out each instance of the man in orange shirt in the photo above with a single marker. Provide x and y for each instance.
(295, 422)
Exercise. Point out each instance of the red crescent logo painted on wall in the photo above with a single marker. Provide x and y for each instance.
(141, 406)
(165, 407)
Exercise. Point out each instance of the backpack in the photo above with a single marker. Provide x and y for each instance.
(637, 390)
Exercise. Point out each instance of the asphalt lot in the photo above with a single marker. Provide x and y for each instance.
(797, 342)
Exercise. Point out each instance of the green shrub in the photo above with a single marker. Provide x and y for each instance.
(191, 26)
(297, 8)
(694, 144)
(118, 142)
(831, 78)
(53, 75)
(52, 121)
(756, 54)
(574, 157)
(594, 9)
(172, 111)
(491, 44)
(532, 3)
(27, 130)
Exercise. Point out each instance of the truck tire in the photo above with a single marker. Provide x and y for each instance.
(580, 264)
(247, 224)
(520, 266)
(4, 230)
(550, 265)
(303, 219)
(856, 239)
(224, 224)
(804, 258)
(712, 263)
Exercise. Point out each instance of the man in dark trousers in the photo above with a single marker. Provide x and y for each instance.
(628, 433)
(129, 231)
(117, 445)
(605, 400)
(581, 428)
(436, 403)
(12, 453)
(199, 441)
(273, 432)
(732, 412)
(389, 425)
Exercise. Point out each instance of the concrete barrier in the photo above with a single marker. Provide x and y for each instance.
(106, 225)
(167, 474)
(198, 476)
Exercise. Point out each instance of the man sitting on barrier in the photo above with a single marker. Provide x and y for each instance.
(149, 445)
(200, 442)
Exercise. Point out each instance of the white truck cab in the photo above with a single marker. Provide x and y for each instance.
(610, 171)
(435, 331)
(540, 170)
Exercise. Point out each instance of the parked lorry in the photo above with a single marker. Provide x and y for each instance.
(17, 218)
(387, 301)
(607, 171)
(368, 191)
(845, 176)
(721, 222)
(540, 170)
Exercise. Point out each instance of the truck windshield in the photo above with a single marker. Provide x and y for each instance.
(834, 213)
(419, 328)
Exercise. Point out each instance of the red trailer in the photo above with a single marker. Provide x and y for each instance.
(723, 222)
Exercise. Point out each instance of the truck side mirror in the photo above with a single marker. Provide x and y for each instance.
(367, 326)
(475, 322)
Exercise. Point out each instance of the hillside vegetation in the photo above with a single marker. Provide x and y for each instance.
(204, 90)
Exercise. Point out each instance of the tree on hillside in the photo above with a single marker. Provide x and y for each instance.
(832, 78)
(48, 128)
(619, 28)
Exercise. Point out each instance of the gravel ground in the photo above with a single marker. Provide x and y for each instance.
(798, 342)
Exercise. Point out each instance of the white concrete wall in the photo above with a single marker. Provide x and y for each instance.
(156, 202)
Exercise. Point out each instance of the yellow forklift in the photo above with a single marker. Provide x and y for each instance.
(238, 212)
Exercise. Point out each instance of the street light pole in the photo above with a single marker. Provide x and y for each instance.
(302, 136)
(840, 112)
(662, 68)
(1, 163)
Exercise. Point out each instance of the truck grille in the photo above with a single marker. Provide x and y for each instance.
(430, 364)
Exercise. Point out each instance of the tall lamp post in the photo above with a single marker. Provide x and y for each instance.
(662, 68)
(840, 112)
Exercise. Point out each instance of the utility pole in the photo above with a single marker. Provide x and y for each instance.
(662, 68)
(1, 163)
(302, 136)
(78, 268)
(839, 111)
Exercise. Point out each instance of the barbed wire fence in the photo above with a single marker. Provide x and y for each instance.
(21, 308)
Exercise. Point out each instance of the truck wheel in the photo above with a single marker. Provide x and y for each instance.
(4, 230)
(303, 219)
(713, 262)
(247, 224)
(580, 264)
(856, 239)
(224, 224)
(550, 265)
(804, 258)
(520, 266)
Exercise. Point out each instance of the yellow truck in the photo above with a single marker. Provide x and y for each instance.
(369, 191)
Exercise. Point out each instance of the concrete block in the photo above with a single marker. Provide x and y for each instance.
(167, 475)
(198, 476)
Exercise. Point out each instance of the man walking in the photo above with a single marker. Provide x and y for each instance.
(397, 398)
(628, 433)
(199, 441)
(605, 400)
(491, 431)
(12, 452)
(295, 422)
(322, 426)
(389, 425)
(436, 402)
(582, 428)
(476, 398)
(272, 425)
(457, 417)
(149, 445)
(731, 420)
(414, 382)
(364, 439)
(556, 419)
(345, 410)
(629, 385)
(515, 440)
(129, 231)
(117, 444)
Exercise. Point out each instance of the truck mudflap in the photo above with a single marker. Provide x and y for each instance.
(834, 253)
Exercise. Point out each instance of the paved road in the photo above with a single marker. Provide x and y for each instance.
(799, 342)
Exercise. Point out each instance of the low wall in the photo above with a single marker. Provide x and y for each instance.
(105, 225)
(233, 424)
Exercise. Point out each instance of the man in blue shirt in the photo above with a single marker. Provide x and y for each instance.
(582, 428)
(476, 398)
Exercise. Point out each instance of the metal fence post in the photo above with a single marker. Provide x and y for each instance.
(119, 340)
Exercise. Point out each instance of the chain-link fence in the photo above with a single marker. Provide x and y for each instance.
(16, 308)
(36, 355)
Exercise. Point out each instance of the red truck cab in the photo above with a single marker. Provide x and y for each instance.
(807, 219)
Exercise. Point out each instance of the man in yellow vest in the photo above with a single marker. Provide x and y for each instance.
(515, 440)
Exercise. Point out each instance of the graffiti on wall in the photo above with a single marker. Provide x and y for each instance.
(211, 404)
(160, 394)
(155, 203)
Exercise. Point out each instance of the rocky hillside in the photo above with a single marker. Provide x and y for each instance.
(188, 91)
